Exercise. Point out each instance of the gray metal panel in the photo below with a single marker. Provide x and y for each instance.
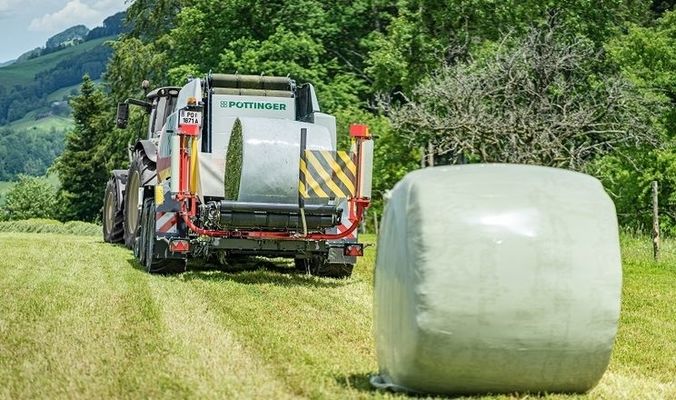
(192, 89)
(212, 169)
(272, 247)
(366, 171)
(327, 121)
(223, 106)
(212, 165)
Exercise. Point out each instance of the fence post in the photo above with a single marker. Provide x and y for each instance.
(656, 223)
(375, 222)
(430, 154)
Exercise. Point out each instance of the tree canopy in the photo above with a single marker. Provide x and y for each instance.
(537, 100)
(81, 167)
(487, 80)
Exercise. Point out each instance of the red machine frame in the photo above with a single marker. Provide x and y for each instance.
(188, 200)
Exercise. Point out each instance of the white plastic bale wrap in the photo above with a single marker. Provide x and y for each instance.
(496, 278)
(271, 158)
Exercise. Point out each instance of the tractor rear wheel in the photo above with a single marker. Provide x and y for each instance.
(141, 175)
(146, 245)
(319, 266)
(113, 232)
(140, 243)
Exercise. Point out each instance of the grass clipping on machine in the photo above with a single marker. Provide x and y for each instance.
(233, 162)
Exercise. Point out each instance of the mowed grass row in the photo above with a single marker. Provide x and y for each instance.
(78, 319)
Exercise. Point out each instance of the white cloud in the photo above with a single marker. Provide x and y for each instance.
(12, 6)
(6, 5)
(75, 12)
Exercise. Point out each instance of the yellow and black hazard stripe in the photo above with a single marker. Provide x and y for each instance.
(327, 174)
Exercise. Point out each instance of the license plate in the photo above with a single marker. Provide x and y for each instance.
(186, 117)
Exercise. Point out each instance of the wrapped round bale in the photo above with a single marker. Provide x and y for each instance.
(496, 279)
(263, 159)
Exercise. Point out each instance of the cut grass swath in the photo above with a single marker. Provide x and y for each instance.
(51, 226)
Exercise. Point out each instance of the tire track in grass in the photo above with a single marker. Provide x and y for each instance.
(315, 334)
(77, 322)
(206, 355)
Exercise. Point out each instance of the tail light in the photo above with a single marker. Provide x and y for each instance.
(179, 246)
(354, 250)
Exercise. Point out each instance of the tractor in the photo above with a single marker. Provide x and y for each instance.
(239, 165)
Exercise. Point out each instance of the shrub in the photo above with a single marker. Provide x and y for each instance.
(31, 197)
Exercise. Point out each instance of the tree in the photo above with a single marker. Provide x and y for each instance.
(536, 100)
(392, 158)
(81, 168)
(30, 197)
(427, 33)
(647, 57)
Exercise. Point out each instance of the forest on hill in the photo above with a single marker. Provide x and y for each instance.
(589, 86)
(25, 86)
(34, 89)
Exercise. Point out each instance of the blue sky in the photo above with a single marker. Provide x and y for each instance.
(27, 24)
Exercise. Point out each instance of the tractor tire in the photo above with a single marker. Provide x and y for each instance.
(319, 266)
(113, 231)
(146, 243)
(141, 175)
(140, 243)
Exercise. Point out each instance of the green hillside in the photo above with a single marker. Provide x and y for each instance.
(60, 94)
(33, 120)
(22, 73)
(30, 122)
(34, 112)
(39, 84)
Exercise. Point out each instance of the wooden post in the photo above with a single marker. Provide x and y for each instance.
(430, 154)
(656, 223)
(375, 222)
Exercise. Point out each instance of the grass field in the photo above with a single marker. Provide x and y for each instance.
(44, 124)
(78, 319)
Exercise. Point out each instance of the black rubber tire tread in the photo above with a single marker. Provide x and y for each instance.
(140, 244)
(115, 232)
(318, 266)
(153, 264)
(142, 165)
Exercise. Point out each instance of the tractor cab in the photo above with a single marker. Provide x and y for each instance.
(162, 102)
(159, 103)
